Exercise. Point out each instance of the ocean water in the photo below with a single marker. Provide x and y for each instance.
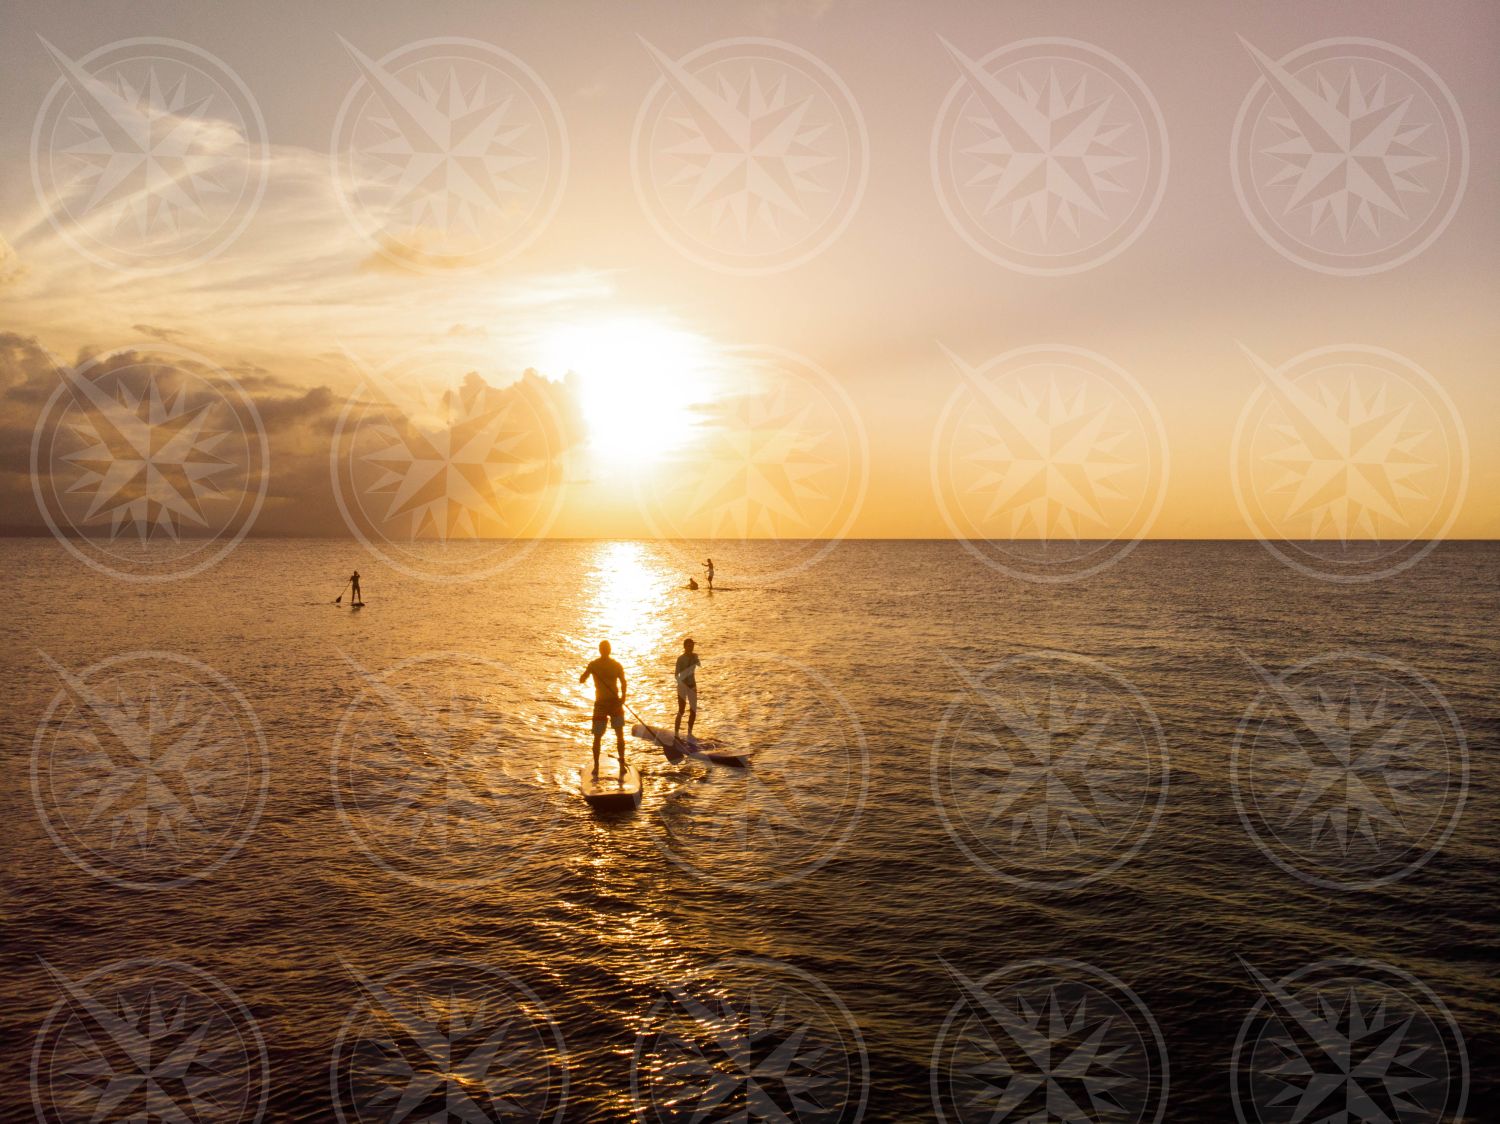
(1000, 845)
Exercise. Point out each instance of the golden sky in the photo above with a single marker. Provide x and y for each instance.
(790, 269)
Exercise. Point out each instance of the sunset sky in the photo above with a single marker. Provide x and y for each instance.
(669, 346)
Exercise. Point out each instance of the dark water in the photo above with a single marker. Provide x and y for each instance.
(360, 843)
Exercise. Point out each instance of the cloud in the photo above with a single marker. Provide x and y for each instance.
(166, 335)
(300, 424)
(407, 256)
(12, 269)
(23, 360)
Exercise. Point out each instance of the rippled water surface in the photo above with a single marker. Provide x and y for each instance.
(367, 828)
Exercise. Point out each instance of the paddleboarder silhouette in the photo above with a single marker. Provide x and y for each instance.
(354, 596)
(709, 566)
(687, 687)
(609, 701)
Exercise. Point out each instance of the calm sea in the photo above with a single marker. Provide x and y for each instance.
(1153, 845)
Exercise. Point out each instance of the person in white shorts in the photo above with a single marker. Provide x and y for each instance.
(687, 687)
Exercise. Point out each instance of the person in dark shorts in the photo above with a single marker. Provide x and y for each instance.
(609, 700)
(687, 687)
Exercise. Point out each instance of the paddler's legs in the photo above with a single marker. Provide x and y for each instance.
(619, 720)
(677, 726)
(598, 736)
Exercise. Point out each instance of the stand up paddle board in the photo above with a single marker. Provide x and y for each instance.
(676, 748)
(610, 792)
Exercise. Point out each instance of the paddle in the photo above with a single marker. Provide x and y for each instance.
(673, 754)
(339, 599)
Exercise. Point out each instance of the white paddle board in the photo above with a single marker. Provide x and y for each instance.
(609, 791)
(676, 748)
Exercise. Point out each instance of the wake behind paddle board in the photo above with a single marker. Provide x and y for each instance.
(609, 791)
(677, 747)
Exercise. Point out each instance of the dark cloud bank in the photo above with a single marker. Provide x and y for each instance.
(299, 423)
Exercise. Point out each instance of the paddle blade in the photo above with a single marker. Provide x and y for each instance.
(669, 749)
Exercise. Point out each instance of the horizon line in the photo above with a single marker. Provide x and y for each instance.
(31, 532)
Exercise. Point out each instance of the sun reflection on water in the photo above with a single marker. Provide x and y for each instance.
(627, 600)
(627, 605)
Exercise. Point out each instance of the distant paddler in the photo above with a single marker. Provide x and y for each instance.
(352, 583)
(709, 566)
(609, 701)
(687, 688)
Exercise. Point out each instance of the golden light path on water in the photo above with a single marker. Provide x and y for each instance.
(626, 598)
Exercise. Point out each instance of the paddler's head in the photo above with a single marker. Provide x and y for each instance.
(604, 647)
(687, 645)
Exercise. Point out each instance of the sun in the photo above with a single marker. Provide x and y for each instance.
(638, 381)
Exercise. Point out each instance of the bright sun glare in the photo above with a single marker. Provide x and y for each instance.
(637, 382)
